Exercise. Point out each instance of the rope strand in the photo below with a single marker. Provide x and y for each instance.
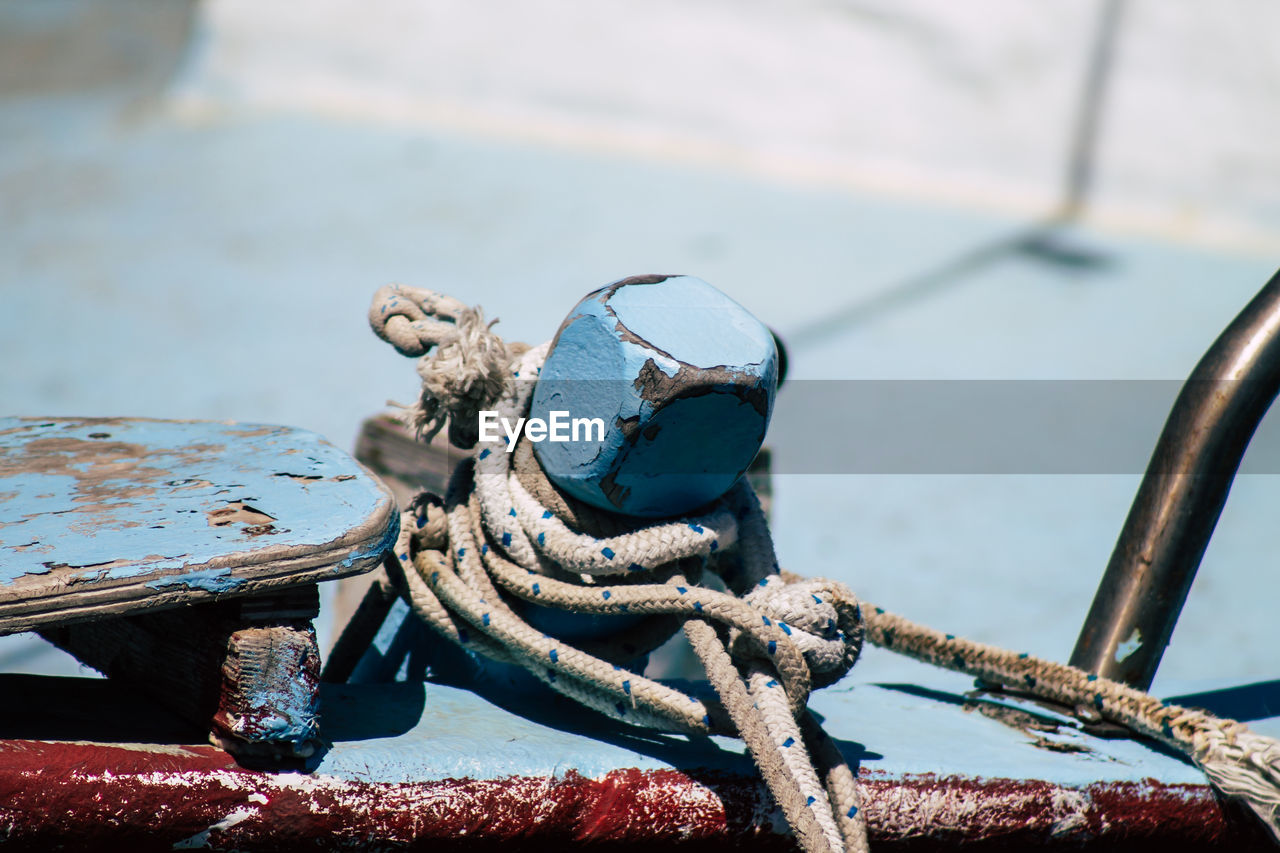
(1239, 762)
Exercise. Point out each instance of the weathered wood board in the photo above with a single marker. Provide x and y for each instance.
(101, 517)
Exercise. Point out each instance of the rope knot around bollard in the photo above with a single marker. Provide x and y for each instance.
(505, 541)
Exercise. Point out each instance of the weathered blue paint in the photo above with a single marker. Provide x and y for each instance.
(167, 504)
(683, 378)
(1013, 560)
(209, 580)
(483, 721)
(281, 709)
(690, 320)
(371, 551)
(421, 732)
(809, 253)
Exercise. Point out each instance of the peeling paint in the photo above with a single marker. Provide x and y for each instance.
(373, 551)
(269, 701)
(53, 793)
(158, 505)
(1129, 646)
(688, 393)
(159, 475)
(210, 580)
(201, 839)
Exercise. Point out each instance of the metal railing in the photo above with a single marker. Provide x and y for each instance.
(1181, 497)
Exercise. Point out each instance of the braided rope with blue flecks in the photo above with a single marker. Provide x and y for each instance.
(491, 533)
(1239, 762)
(785, 634)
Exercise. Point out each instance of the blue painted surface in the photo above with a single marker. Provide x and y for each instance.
(404, 649)
(100, 501)
(669, 446)
(209, 580)
(692, 321)
(470, 718)
(414, 731)
(267, 209)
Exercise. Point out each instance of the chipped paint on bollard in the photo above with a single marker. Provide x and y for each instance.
(684, 379)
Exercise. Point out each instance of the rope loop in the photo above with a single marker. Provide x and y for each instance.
(469, 369)
(821, 617)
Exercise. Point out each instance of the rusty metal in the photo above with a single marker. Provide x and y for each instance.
(1181, 497)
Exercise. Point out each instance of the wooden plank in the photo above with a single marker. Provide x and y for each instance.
(101, 517)
(362, 624)
(406, 464)
(173, 657)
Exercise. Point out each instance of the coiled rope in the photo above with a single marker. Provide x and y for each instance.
(504, 536)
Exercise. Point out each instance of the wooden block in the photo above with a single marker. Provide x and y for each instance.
(103, 517)
(682, 379)
(405, 464)
(269, 705)
(173, 657)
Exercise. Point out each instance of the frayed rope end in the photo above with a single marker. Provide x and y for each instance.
(464, 374)
(1246, 766)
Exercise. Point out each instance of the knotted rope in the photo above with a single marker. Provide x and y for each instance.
(466, 373)
(504, 538)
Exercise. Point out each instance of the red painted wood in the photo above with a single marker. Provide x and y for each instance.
(78, 796)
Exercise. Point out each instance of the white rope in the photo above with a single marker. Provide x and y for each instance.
(493, 544)
(466, 371)
(1239, 762)
(783, 634)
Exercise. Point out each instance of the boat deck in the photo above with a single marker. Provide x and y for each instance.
(164, 261)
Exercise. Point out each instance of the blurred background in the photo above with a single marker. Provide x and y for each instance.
(198, 200)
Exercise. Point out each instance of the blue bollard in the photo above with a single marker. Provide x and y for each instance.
(664, 386)
(681, 379)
